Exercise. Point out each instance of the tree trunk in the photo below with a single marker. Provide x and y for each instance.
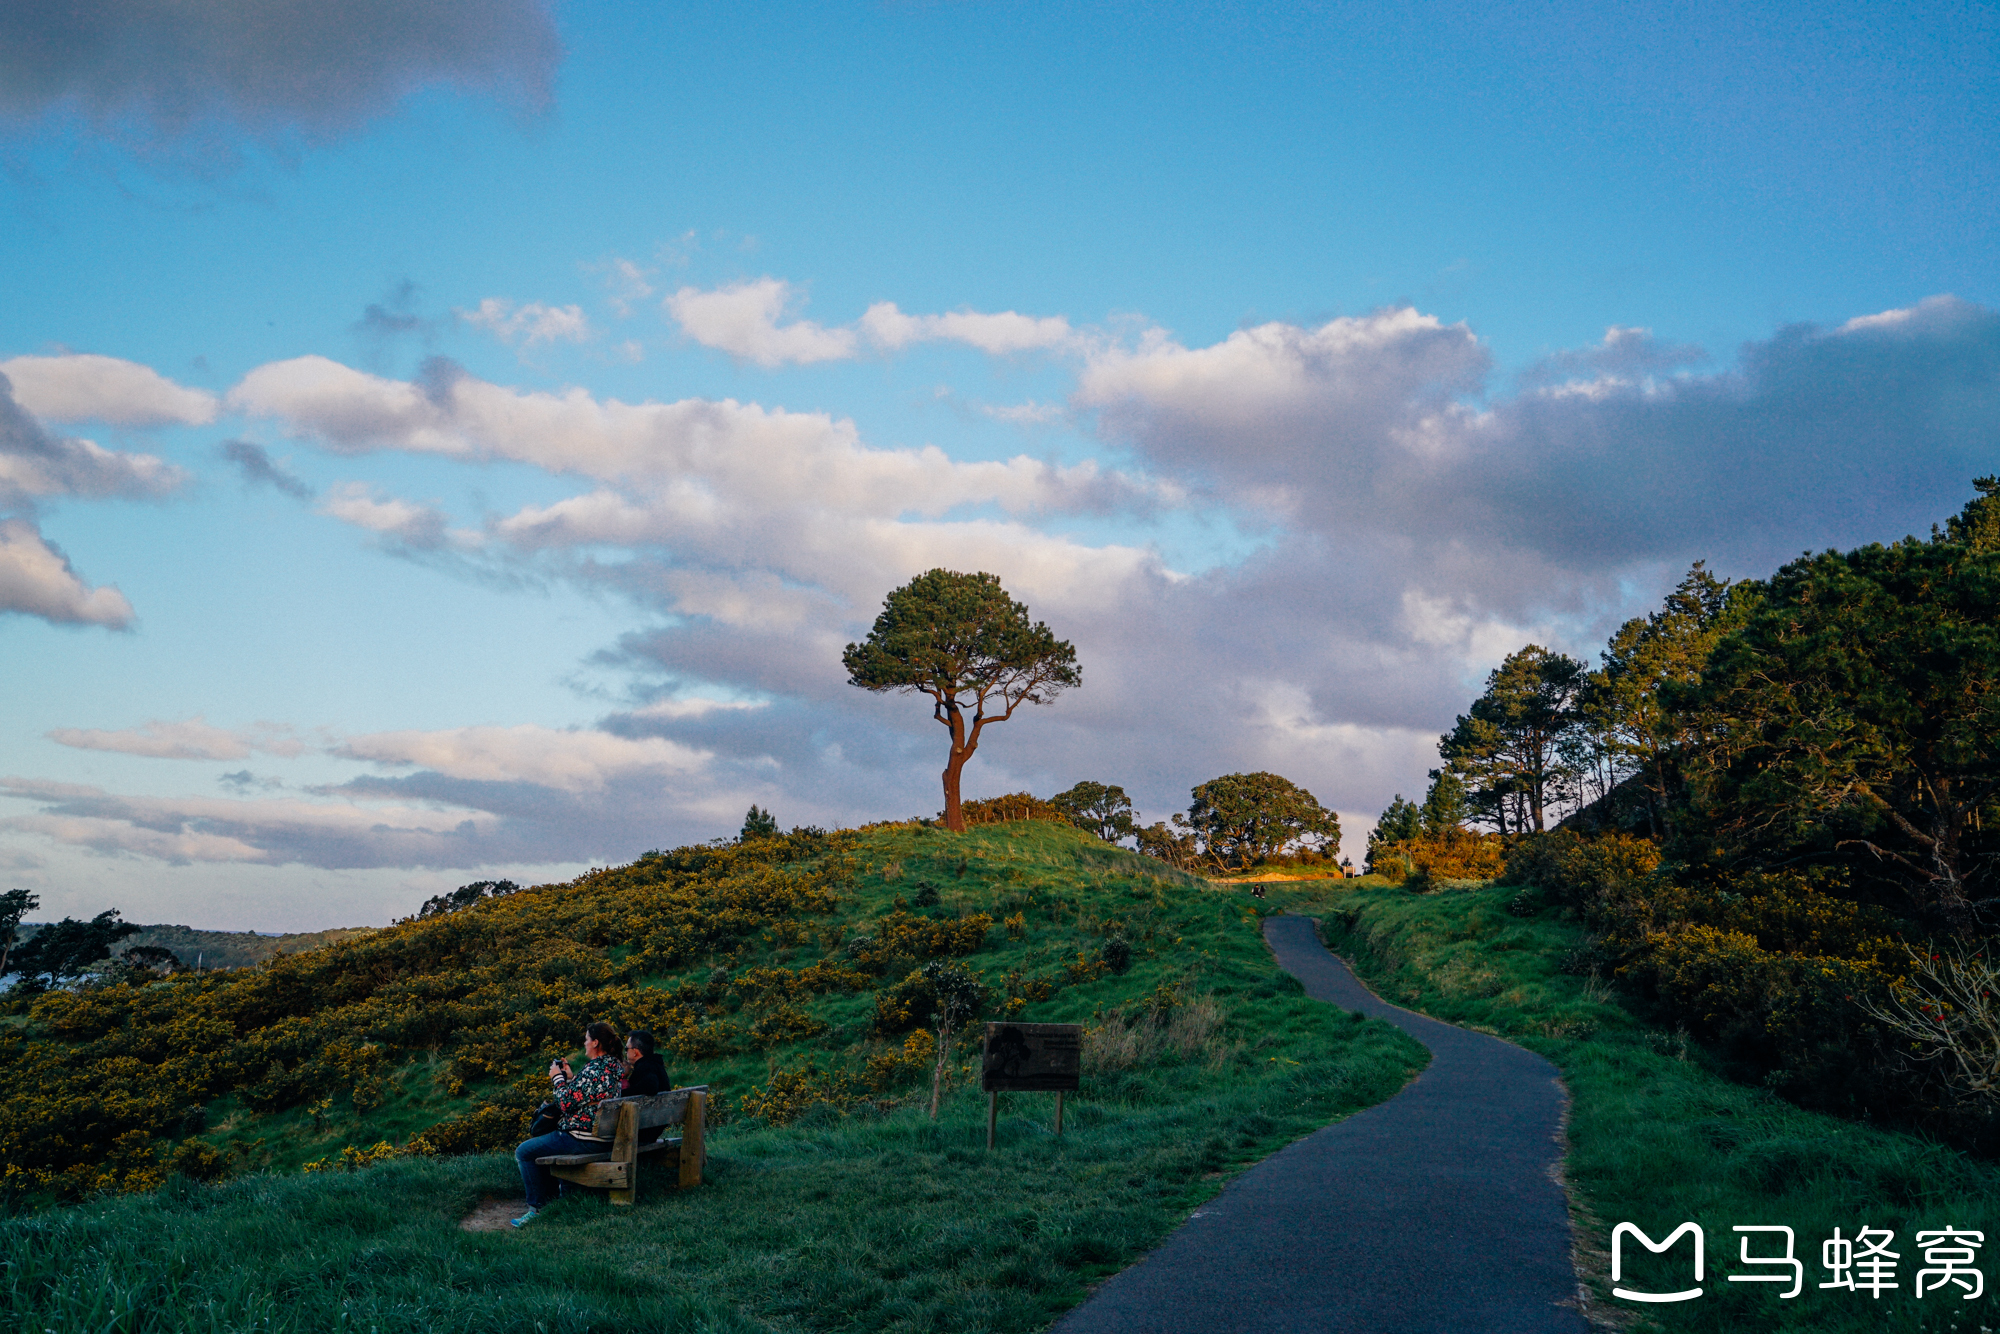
(937, 1071)
(954, 817)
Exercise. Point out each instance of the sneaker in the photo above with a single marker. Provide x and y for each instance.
(526, 1218)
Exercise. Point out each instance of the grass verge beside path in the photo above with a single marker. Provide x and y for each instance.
(1657, 1137)
(864, 1217)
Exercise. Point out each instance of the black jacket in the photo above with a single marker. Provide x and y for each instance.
(647, 1077)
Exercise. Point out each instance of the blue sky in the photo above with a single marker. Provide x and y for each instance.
(501, 415)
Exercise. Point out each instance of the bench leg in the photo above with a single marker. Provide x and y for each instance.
(691, 1150)
(625, 1149)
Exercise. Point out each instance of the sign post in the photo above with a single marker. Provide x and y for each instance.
(1029, 1058)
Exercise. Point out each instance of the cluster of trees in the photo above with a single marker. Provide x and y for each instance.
(442, 905)
(68, 951)
(1788, 797)
(1431, 840)
(1233, 822)
(1843, 714)
(961, 642)
(1549, 736)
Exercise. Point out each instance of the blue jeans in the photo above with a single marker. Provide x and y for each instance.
(540, 1183)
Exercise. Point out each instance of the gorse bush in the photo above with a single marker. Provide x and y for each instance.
(1452, 854)
(1782, 973)
(785, 972)
(489, 991)
(833, 1200)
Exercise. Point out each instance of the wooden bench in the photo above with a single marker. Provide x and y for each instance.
(619, 1120)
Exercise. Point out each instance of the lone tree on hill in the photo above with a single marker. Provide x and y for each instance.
(961, 640)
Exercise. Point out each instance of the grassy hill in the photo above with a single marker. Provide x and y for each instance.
(780, 973)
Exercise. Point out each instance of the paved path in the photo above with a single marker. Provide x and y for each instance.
(1435, 1211)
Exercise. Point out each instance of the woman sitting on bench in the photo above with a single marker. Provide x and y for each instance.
(577, 1096)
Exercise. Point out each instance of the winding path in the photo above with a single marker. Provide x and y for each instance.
(1435, 1211)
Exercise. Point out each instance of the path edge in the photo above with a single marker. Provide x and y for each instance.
(1589, 1261)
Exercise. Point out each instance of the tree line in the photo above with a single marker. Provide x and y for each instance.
(1775, 803)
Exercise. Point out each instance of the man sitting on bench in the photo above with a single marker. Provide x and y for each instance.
(645, 1074)
(577, 1096)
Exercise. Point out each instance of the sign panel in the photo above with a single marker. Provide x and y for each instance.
(1032, 1058)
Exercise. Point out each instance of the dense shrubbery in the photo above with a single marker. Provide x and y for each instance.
(1778, 971)
(786, 972)
(1790, 783)
(1014, 806)
(1455, 854)
(100, 1073)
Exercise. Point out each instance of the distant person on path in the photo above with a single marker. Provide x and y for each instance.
(577, 1096)
(645, 1075)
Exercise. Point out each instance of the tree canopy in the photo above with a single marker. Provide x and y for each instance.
(758, 824)
(1509, 749)
(440, 905)
(1242, 819)
(15, 904)
(1855, 716)
(959, 639)
(69, 949)
(1102, 808)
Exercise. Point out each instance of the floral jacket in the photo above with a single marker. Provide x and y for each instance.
(577, 1097)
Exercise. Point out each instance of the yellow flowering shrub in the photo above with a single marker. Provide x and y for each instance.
(96, 1075)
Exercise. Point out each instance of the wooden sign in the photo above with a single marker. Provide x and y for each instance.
(1032, 1058)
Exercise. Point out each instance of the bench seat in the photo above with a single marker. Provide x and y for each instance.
(579, 1159)
(618, 1123)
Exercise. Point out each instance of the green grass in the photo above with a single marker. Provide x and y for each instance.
(1657, 1136)
(867, 1218)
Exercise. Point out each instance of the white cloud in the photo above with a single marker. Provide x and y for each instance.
(1941, 310)
(36, 464)
(742, 320)
(223, 829)
(189, 739)
(999, 334)
(413, 524)
(528, 324)
(723, 484)
(1023, 414)
(83, 387)
(36, 580)
(568, 761)
(1279, 392)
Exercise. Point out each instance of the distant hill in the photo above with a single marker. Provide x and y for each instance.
(225, 949)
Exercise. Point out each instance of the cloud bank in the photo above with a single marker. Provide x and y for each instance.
(38, 466)
(150, 73)
(1412, 524)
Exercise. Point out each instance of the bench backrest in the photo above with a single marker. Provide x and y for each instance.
(659, 1109)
